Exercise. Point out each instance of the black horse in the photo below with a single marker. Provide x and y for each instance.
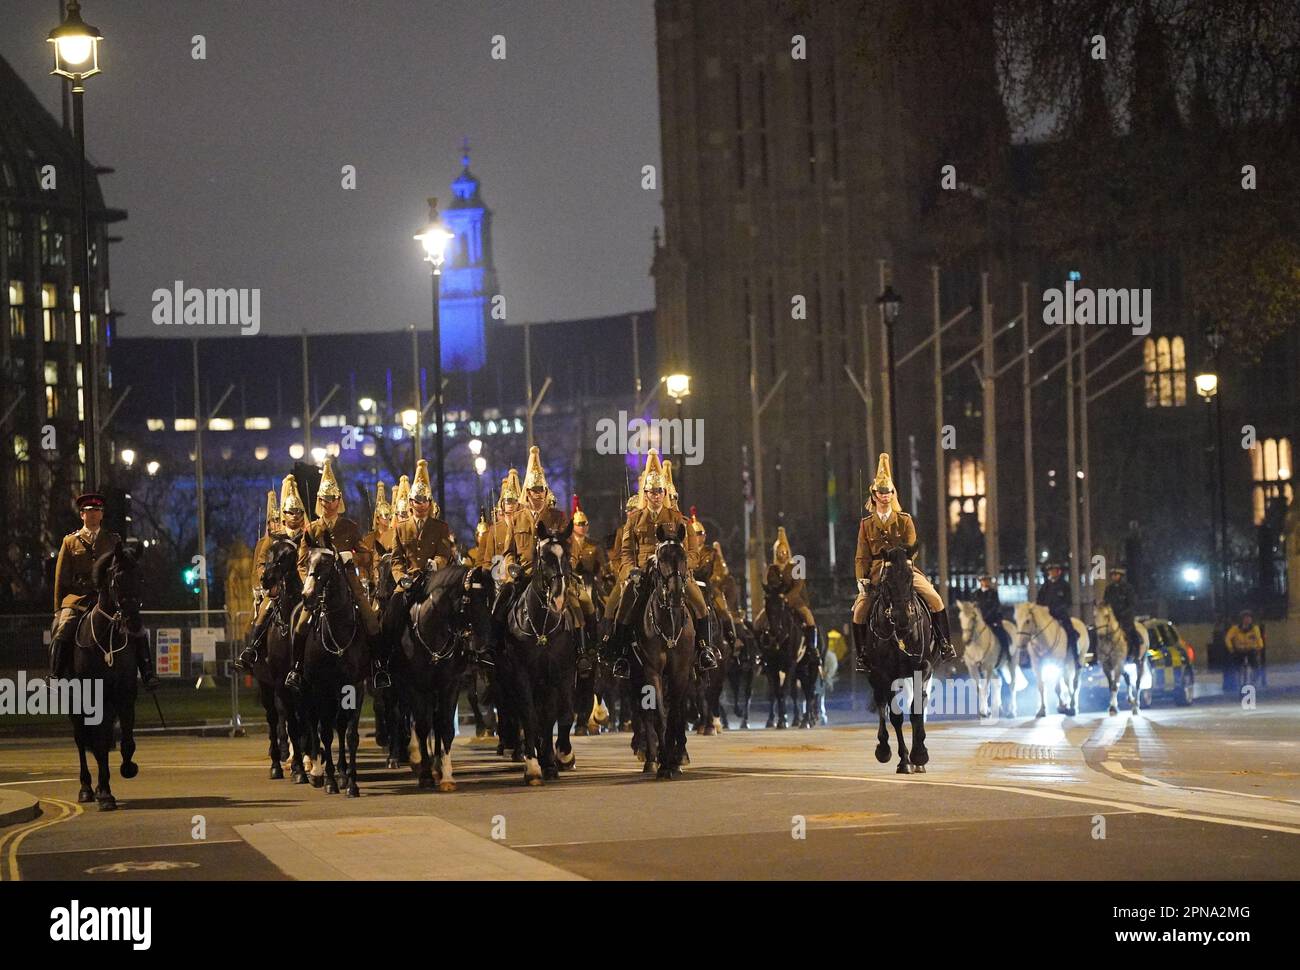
(709, 717)
(899, 649)
(741, 663)
(431, 659)
(280, 580)
(106, 643)
(336, 663)
(807, 680)
(663, 649)
(780, 639)
(392, 713)
(538, 664)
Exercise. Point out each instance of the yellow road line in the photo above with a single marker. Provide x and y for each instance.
(12, 840)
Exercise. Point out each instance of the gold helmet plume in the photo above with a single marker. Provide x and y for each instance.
(329, 488)
(290, 500)
(510, 488)
(482, 527)
(402, 498)
(669, 487)
(535, 476)
(696, 525)
(781, 550)
(272, 513)
(882, 480)
(382, 508)
(651, 477)
(422, 488)
(579, 516)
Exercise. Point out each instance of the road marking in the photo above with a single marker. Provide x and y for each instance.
(131, 848)
(10, 843)
(36, 781)
(1118, 769)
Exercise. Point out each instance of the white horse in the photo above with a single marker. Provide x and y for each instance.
(1048, 647)
(988, 666)
(1112, 654)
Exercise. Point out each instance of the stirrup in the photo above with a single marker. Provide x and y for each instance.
(247, 658)
(293, 680)
(622, 670)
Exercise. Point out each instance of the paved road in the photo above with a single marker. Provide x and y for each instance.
(1207, 792)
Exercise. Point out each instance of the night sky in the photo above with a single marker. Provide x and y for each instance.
(230, 167)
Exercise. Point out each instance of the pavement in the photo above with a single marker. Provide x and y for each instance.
(1206, 792)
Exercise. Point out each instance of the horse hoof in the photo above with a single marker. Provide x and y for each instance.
(781, 725)
(676, 773)
(648, 767)
(1071, 711)
(517, 757)
(904, 768)
(709, 730)
(1113, 710)
(570, 766)
(918, 769)
(1042, 712)
(424, 781)
(771, 722)
(107, 803)
(332, 787)
(447, 786)
(550, 774)
(391, 763)
(299, 778)
(129, 769)
(534, 782)
(276, 772)
(882, 753)
(664, 774)
(354, 791)
(744, 725)
(317, 781)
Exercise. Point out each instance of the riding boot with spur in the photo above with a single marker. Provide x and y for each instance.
(61, 645)
(946, 649)
(616, 646)
(249, 655)
(144, 661)
(812, 641)
(859, 647)
(293, 679)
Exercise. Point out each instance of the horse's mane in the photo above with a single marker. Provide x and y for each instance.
(445, 578)
(101, 564)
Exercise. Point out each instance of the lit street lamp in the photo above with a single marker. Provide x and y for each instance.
(76, 57)
(434, 239)
(1207, 386)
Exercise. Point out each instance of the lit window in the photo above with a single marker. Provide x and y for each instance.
(50, 312)
(20, 447)
(329, 420)
(221, 424)
(1270, 465)
(51, 372)
(966, 490)
(17, 318)
(184, 424)
(1164, 365)
(257, 424)
(156, 424)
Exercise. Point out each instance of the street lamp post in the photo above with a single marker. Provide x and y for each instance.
(1207, 386)
(678, 386)
(434, 239)
(76, 57)
(891, 302)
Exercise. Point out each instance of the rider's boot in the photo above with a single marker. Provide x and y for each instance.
(706, 658)
(250, 654)
(61, 648)
(616, 644)
(812, 640)
(940, 621)
(144, 661)
(859, 646)
(293, 679)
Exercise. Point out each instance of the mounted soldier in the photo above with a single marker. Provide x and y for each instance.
(781, 577)
(402, 501)
(887, 526)
(381, 538)
(75, 593)
(635, 555)
(286, 523)
(587, 559)
(706, 565)
(1055, 595)
(422, 543)
(345, 537)
(1121, 598)
(522, 522)
(989, 604)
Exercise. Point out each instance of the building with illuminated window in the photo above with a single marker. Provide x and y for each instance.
(42, 325)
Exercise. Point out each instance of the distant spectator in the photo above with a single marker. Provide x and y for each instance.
(1245, 642)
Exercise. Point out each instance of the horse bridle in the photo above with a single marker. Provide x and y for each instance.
(543, 635)
(1026, 635)
(662, 595)
(322, 612)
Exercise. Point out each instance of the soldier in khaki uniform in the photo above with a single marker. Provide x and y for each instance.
(420, 543)
(496, 543)
(538, 509)
(75, 593)
(616, 555)
(262, 597)
(587, 560)
(703, 559)
(346, 538)
(885, 526)
(638, 547)
(380, 539)
(402, 501)
(781, 576)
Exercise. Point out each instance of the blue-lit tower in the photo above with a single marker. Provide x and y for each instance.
(468, 277)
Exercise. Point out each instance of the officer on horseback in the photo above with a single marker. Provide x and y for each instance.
(587, 559)
(781, 577)
(1055, 595)
(75, 593)
(989, 604)
(420, 543)
(1122, 600)
(887, 526)
(286, 524)
(345, 535)
(636, 552)
(380, 540)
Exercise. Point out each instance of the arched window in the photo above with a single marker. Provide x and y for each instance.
(965, 490)
(1164, 365)
(1270, 467)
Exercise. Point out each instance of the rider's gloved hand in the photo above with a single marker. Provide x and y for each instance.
(862, 586)
(345, 556)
